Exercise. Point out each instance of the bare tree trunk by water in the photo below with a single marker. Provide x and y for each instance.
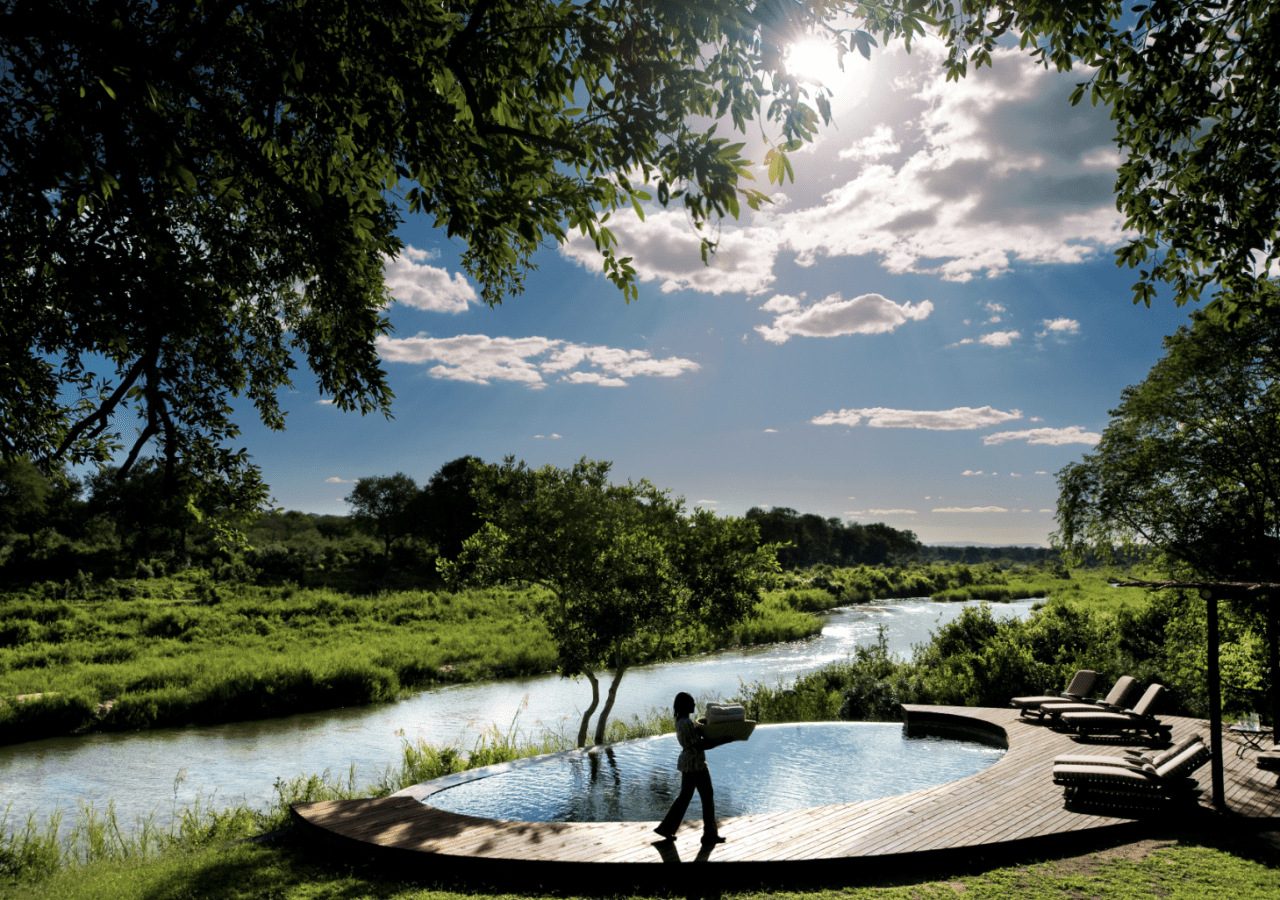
(595, 701)
(608, 702)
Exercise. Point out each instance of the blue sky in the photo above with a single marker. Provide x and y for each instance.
(921, 329)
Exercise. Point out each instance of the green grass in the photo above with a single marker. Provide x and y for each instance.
(1187, 870)
(179, 650)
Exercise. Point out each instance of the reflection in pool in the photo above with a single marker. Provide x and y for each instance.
(782, 767)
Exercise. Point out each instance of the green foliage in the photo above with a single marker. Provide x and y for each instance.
(1186, 465)
(979, 660)
(808, 540)
(197, 199)
(384, 504)
(164, 657)
(627, 571)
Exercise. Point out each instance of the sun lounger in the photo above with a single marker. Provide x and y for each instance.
(1077, 690)
(1138, 720)
(1269, 760)
(1126, 786)
(1122, 693)
(1133, 759)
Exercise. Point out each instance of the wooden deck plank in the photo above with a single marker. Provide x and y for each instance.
(1011, 801)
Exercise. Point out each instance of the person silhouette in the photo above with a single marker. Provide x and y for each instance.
(694, 774)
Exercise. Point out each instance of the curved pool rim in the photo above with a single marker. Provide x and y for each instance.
(1008, 812)
(915, 726)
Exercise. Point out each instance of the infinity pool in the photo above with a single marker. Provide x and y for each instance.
(782, 767)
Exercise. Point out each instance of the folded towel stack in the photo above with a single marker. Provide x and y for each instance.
(727, 720)
(725, 712)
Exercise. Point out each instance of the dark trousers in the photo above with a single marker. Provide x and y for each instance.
(689, 781)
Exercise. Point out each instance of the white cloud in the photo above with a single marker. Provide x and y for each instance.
(599, 379)
(833, 316)
(999, 338)
(547, 437)
(1060, 327)
(480, 359)
(334, 479)
(781, 303)
(961, 180)
(413, 283)
(771, 431)
(707, 503)
(875, 511)
(960, 418)
(327, 401)
(1055, 437)
(665, 249)
(972, 473)
(969, 509)
(877, 145)
(1041, 472)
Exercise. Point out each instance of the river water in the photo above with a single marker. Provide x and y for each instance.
(152, 773)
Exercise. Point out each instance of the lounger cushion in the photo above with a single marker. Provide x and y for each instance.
(1132, 758)
(1081, 684)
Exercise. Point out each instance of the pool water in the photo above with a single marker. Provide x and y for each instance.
(781, 767)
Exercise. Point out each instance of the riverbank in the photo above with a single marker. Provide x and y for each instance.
(176, 651)
(143, 653)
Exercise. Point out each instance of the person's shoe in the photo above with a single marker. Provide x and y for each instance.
(709, 839)
(666, 835)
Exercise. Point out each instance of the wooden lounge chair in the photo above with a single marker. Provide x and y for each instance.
(1077, 690)
(1269, 760)
(1122, 693)
(1138, 720)
(1132, 759)
(1148, 786)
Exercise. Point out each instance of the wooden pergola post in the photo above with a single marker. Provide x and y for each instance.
(1215, 702)
(1273, 639)
(1269, 593)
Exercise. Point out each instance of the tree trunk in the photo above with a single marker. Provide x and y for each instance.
(586, 716)
(618, 672)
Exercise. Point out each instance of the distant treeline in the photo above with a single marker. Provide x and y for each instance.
(813, 540)
(57, 528)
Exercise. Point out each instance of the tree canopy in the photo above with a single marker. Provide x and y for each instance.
(809, 539)
(627, 570)
(198, 194)
(1190, 462)
(384, 505)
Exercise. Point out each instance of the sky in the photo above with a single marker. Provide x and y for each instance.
(922, 329)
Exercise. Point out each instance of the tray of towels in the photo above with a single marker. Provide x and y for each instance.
(726, 720)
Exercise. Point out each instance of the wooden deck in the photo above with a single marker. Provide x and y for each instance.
(1010, 810)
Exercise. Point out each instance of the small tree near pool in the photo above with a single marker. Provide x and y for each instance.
(628, 571)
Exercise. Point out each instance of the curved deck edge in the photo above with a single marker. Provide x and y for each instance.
(1009, 812)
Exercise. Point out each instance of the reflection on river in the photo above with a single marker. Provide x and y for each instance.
(149, 773)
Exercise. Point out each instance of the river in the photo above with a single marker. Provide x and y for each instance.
(152, 773)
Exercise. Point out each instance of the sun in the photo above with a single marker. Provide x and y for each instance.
(816, 61)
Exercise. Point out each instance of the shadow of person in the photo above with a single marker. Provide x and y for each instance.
(698, 886)
(667, 850)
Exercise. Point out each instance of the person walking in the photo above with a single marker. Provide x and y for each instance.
(694, 774)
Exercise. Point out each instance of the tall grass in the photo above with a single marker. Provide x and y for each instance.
(161, 652)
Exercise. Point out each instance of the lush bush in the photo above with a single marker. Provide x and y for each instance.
(980, 660)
